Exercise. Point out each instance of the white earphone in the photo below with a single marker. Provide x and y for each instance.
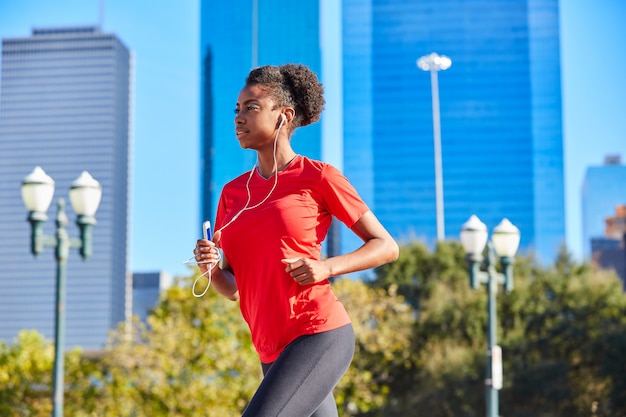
(246, 207)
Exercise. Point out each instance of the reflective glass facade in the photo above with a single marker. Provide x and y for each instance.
(64, 106)
(500, 107)
(604, 188)
(500, 110)
(237, 36)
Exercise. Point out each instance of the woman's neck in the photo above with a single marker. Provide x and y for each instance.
(265, 161)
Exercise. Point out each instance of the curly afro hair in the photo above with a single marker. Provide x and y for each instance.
(292, 85)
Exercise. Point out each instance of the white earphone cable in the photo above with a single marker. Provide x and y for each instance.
(208, 272)
(245, 207)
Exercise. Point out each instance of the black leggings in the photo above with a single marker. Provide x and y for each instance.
(300, 382)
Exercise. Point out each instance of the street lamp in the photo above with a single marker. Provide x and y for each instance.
(435, 63)
(505, 243)
(85, 194)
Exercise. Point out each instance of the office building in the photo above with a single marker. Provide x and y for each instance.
(609, 251)
(500, 115)
(147, 287)
(64, 106)
(235, 37)
(500, 107)
(610, 254)
(603, 189)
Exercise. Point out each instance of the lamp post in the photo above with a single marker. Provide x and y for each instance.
(85, 194)
(435, 63)
(482, 270)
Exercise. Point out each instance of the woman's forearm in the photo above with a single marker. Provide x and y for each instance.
(373, 253)
(223, 282)
(378, 248)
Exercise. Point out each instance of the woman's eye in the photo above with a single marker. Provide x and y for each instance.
(249, 107)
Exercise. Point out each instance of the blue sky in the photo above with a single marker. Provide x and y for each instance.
(163, 36)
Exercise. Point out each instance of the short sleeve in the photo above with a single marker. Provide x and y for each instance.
(340, 197)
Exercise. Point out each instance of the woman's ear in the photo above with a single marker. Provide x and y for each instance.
(290, 114)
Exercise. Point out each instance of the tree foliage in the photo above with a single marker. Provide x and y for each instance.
(420, 345)
(194, 358)
(26, 376)
(562, 331)
(382, 324)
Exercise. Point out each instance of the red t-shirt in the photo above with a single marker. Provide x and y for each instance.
(291, 223)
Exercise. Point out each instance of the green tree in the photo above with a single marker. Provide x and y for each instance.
(561, 329)
(561, 361)
(417, 271)
(26, 375)
(420, 345)
(382, 324)
(446, 343)
(194, 358)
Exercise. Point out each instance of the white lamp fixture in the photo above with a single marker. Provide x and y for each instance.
(505, 239)
(85, 195)
(37, 191)
(474, 236)
(434, 62)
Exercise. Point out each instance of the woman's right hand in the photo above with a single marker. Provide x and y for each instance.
(207, 252)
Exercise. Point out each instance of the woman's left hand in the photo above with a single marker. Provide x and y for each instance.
(306, 271)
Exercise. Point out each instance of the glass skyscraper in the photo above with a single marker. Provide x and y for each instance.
(604, 188)
(64, 106)
(237, 36)
(500, 107)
